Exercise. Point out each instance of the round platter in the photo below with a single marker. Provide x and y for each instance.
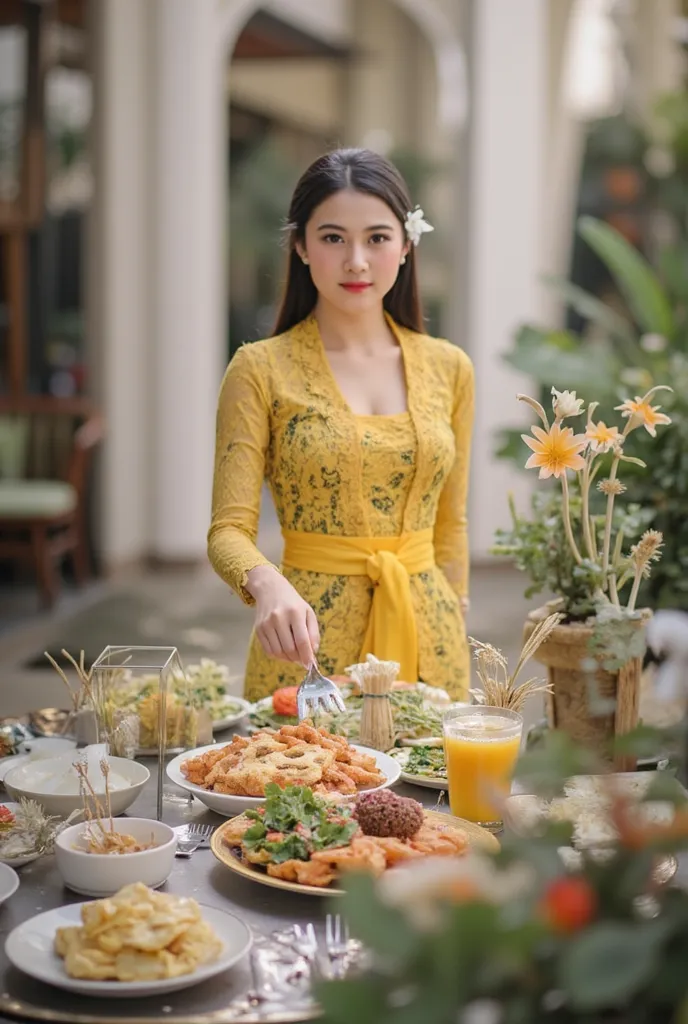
(230, 805)
(477, 837)
(401, 755)
(30, 948)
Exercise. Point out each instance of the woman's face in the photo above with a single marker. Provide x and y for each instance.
(354, 245)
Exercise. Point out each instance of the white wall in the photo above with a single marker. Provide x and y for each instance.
(328, 19)
(508, 54)
(304, 93)
(118, 273)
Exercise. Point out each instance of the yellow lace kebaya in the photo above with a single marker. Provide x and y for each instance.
(372, 508)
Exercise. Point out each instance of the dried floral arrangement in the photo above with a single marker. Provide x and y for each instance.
(113, 726)
(100, 833)
(499, 688)
(31, 831)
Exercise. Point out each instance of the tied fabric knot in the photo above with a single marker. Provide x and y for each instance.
(388, 562)
(379, 563)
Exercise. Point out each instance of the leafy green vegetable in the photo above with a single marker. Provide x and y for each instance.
(428, 762)
(303, 821)
(414, 717)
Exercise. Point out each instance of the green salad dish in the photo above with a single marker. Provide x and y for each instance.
(417, 714)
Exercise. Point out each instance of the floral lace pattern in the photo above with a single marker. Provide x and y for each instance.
(281, 417)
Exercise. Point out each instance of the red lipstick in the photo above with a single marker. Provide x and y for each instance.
(356, 286)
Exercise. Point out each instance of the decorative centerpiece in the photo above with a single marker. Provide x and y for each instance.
(577, 546)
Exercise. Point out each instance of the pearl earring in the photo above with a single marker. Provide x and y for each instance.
(403, 260)
(305, 260)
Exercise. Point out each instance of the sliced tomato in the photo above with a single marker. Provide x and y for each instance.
(284, 701)
(6, 814)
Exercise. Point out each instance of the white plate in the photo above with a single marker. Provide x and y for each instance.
(16, 862)
(29, 947)
(401, 756)
(229, 805)
(9, 882)
(232, 719)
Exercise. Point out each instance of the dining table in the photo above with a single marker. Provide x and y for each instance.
(215, 1001)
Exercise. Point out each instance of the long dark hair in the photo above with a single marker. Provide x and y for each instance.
(363, 171)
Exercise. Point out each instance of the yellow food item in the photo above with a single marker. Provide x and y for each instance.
(181, 722)
(295, 755)
(137, 935)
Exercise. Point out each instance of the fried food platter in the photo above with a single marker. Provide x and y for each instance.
(205, 763)
(230, 857)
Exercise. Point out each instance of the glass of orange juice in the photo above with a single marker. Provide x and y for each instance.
(481, 745)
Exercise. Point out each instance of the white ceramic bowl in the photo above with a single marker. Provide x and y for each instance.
(229, 805)
(104, 874)
(26, 780)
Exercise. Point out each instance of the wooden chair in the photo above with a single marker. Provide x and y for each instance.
(49, 443)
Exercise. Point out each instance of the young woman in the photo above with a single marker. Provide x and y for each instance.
(361, 425)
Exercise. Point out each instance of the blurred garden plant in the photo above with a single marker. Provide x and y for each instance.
(593, 556)
(517, 938)
(640, 349)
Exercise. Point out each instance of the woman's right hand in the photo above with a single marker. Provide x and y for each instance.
(285, 624)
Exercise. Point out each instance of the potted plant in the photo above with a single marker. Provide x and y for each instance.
(594, 656)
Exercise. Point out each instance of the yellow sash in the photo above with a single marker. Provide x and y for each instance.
(392, 633)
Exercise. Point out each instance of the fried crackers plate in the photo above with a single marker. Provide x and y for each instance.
(30, 948)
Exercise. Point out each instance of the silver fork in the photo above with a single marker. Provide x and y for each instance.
(190, 837)
(337, 943)
(317, 693)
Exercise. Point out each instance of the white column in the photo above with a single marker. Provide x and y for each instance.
(189, 213)
(117, 273)
(509, 55)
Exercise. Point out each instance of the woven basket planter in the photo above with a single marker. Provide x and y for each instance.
(564, 653)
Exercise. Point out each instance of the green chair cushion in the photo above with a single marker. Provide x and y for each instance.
(14, 440)
(23, 498)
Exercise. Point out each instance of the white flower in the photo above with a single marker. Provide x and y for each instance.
(660, 161)
(565, 403)
(667, 636)
(634, 377)
(481, 1011)
(416, 226)
(653, 342)
(423, 888)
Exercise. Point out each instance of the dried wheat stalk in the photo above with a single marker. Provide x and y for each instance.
(499, 689)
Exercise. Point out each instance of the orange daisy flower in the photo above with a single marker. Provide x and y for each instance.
(601, 437)
(555, 450)
(644, 414)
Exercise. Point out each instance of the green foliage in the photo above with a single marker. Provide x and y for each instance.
(614, 349)
(618, 636)
(511, 948)
(537, 544)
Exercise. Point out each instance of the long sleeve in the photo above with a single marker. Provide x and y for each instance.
(451, 525)
(242, 438)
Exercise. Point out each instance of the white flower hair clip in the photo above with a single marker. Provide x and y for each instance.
(416, 225)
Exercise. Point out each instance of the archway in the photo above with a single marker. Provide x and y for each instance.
(449, 53)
